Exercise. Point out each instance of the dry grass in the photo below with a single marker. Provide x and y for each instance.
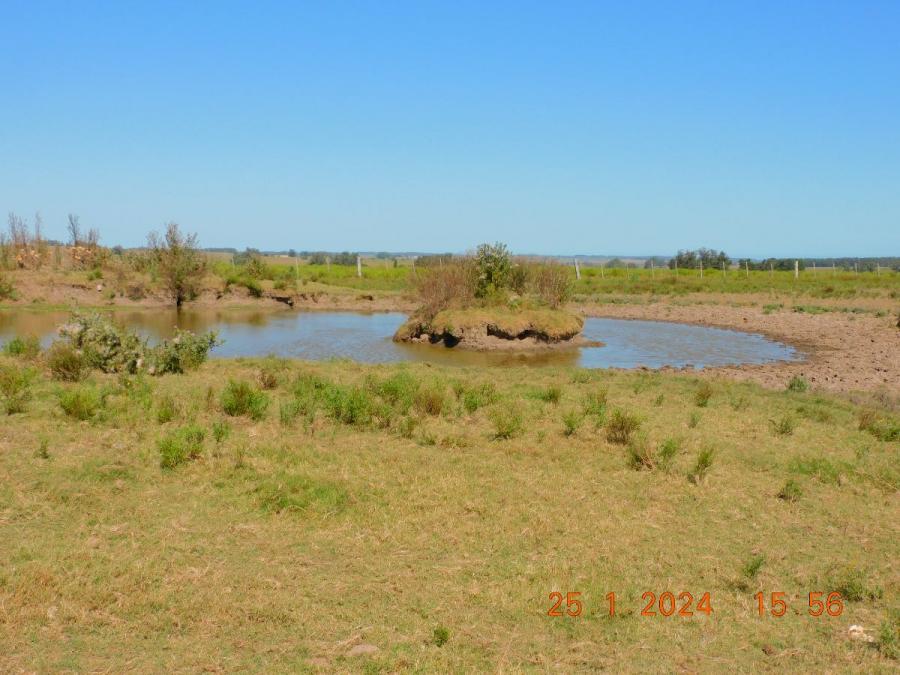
(282, 548)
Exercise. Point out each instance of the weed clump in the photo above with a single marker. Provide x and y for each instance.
(348, 405)
(753, 566)
(440, 636)
(240, 398)
(703, 394)
(853, 584)
(507, 421)
(288, 412)
(571, 422)
(23, 347)
(166, 409)
(66, 363)
(220, 431)
(784, 426)
(642, 455)
(797, 384)
(473, 398)
(889, 634)
(82, 402)
(818, 467)
(552, 394)
(285, 492)
(702, 466)
(594, 407)
(180, 446)
(430, 400)
(15, 388)
(621, 426)
(790, 491)
(882, 427)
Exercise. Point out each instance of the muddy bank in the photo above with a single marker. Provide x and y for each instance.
(843, 352)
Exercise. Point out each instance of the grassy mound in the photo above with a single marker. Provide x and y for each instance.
(480, 326)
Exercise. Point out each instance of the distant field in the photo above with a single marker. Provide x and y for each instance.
(365, 518)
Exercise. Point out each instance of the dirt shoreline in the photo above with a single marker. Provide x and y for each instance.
(841, 352)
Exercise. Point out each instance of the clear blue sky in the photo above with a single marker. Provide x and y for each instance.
(764, 128)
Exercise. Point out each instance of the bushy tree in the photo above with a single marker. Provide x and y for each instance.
(179, 262)
(492, 267)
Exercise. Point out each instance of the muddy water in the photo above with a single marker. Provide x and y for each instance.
(367, 337)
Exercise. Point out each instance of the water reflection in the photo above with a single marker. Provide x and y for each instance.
(367, 337)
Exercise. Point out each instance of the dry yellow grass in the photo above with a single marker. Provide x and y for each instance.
(286, 546)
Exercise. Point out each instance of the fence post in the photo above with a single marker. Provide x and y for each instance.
(651, 268)
(358, 267)
(796, 269)
(701, 268)
(747, 268)
(601, 269)
(577, 271)
(723, 269)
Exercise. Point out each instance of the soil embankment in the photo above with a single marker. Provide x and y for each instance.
(497, 328)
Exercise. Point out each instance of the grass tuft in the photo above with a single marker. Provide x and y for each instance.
(180, 446)
(621, 426)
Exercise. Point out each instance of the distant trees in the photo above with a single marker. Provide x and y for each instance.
(323, 258)
(178, 260)
(692, 259)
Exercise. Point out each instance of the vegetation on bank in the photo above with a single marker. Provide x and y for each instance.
(173, 268)
(490, 294)
(194, 519)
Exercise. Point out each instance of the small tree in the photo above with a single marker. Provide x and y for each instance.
(178, 260)
(493, 267)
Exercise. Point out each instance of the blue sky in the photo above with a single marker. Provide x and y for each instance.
(764, 128)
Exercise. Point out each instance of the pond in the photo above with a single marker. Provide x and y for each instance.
(317, 335)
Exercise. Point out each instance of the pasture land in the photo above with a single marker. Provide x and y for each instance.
(281, 515)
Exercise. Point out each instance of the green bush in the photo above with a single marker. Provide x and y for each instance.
(104, 345)
(186, 351)
(82, 402)
(28, 347)
(594, 407)
(477, 397)
(507, 421)
(348, 405)
(399, 390)
(180, 446)
(621, 426)
(571, 422)
(15, 388)
(668, 450)
(65, 362)
(240, 398)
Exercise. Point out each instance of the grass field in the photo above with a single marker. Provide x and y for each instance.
(340, 517)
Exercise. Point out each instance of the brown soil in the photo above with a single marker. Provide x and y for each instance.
(843, 352)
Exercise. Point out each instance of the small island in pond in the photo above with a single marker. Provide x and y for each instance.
(489, 301)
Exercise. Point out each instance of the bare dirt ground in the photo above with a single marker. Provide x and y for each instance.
(843, 352)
